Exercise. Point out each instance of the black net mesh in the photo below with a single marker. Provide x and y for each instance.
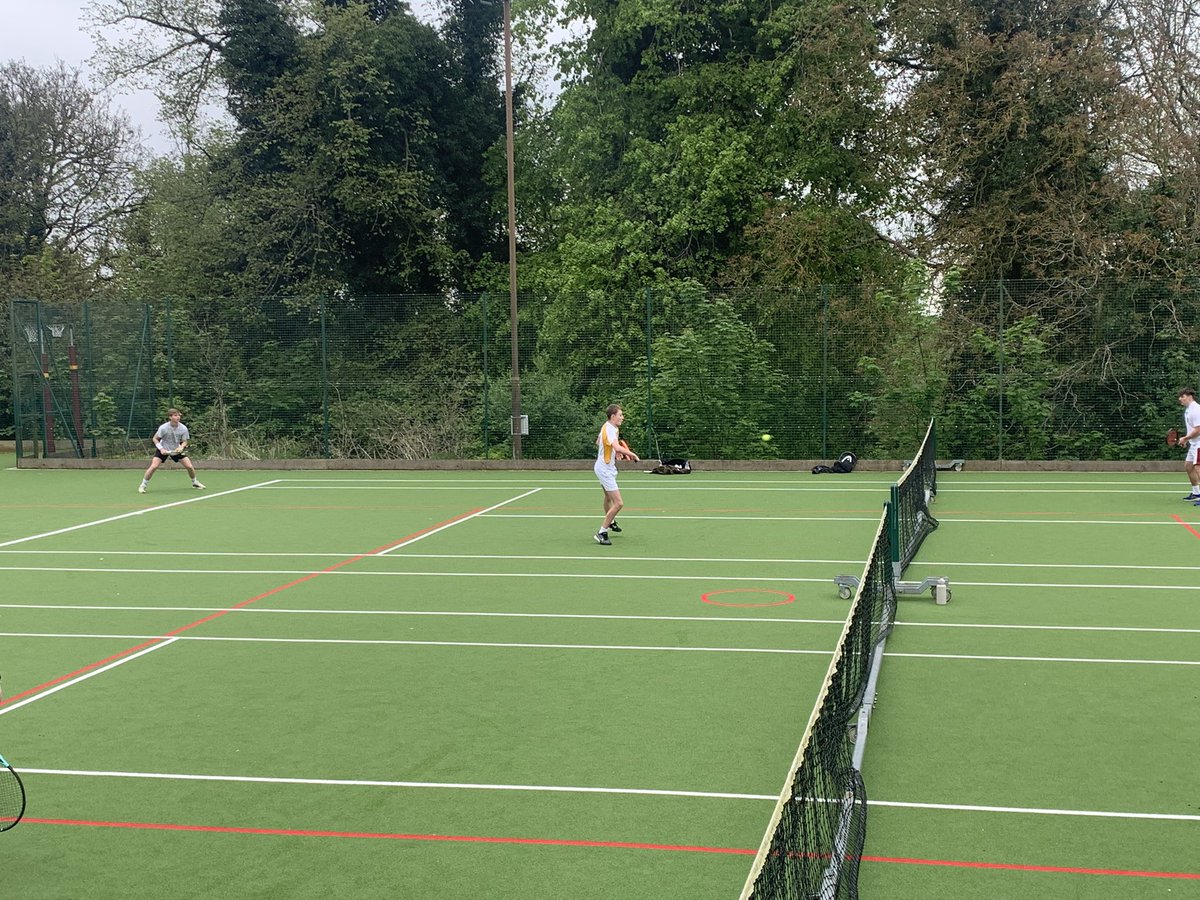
(911, 496)
(817, 838)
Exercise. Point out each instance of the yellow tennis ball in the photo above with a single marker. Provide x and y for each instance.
(766, 437)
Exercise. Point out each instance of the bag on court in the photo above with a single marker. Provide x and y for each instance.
(672, 467)
(845, 463)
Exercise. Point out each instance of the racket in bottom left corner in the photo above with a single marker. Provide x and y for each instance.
(12, 796)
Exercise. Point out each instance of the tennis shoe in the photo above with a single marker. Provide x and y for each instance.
(198, 486)
(615, 528)
(141, 489)
(1193, 496)
(601, 537)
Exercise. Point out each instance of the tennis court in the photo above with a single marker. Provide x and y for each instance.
(399, 684)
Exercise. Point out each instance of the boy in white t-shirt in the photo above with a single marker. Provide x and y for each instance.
(1191, 440)
(610, 448)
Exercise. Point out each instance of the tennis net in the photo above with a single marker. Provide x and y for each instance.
(911, 519)
(813, 845)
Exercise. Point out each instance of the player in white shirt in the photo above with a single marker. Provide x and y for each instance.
(610, 448)
(1191, 439)
(170, 442)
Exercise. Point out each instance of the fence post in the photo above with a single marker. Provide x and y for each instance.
(1000, 373)
(824, 370)
(649, 367)
(483, 315)
(170, 354)
(324, 382)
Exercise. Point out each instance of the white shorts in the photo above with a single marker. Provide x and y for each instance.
(1192, 448)
(607, 476)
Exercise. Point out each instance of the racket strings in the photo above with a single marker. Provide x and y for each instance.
(12, 798)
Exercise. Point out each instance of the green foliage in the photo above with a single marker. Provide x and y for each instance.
(560, 425)
(905, 375)
(1006, 409)
(714, 387)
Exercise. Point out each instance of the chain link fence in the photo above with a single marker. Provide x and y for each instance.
(1013, 370)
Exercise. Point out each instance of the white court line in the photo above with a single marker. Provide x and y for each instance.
(510, 556)
(163, 642)
(592, 557)
(565, 789)
(1036, 811)
(459, 521)
(383, 642)
(872, 489)
(711, 517)
(562, 486)
(518, 645)
(590, 480)
(762, 579)
(954, 483)
(270, 610)
(945, 519)
(137, 512)
(345, 574)
(343, 782)
(1050, 659)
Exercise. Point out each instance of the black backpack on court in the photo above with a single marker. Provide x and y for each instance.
(845, 463)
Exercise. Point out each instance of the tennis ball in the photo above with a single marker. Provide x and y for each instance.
(766, 437)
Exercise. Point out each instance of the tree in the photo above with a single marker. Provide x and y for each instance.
(1013, 108)
(171, 47)
(66, 165)
(358, 159)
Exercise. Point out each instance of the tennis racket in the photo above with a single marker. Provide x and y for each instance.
(1172, 437)
(12, 796)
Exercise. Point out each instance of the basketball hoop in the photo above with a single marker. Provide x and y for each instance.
(31, 333)
(57, 330)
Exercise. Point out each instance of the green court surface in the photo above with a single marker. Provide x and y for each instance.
(410, 684)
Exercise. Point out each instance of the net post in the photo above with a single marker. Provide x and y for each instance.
(891, 510)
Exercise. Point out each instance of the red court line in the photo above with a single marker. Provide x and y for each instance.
(1012, 867)
(607, 845)
(1186, 525)
(276, 590)
(372, 835)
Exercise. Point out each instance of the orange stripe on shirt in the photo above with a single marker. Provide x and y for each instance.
(604, 442)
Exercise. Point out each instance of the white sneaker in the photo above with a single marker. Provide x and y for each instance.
(197, 485)
(141, 489)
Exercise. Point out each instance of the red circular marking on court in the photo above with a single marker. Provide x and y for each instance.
(791, 598)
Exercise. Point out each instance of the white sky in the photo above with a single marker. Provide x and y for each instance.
(42, 32)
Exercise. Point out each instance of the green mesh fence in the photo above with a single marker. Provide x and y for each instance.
(1012, 370)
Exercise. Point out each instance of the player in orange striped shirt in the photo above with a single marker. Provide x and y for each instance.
(610, 448)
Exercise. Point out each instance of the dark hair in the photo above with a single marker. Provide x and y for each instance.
(613, 409)
(1188, 392)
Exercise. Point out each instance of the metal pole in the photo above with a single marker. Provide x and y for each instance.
(483, 309)
(1000, 376)
(512, 233)
(824, 371)
(649, 369)
(324, 383)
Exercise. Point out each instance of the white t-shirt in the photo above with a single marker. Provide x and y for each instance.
(606, 443)
(171, 436)
(1191, 417)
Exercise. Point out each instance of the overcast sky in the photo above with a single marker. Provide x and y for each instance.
(41, 32)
